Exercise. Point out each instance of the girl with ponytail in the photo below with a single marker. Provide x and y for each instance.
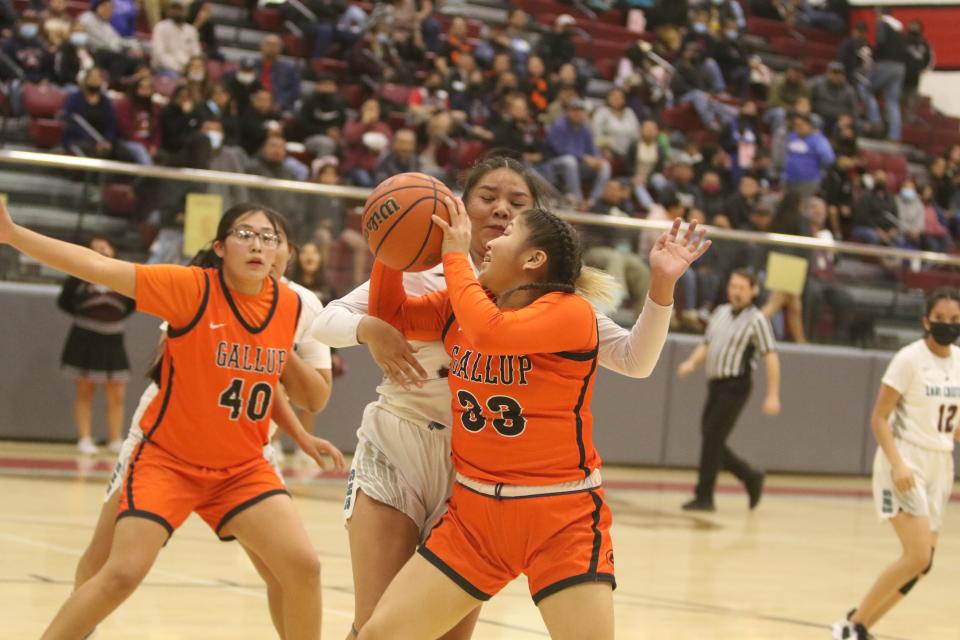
(524, 343)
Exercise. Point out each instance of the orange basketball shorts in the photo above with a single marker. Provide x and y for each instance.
(483, 542)
(161, 488)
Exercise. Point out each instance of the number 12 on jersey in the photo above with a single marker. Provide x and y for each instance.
(948, 414)
(257, 401)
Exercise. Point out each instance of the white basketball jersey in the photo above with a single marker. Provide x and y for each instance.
(928, 413)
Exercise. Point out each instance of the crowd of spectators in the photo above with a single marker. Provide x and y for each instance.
(521, 88)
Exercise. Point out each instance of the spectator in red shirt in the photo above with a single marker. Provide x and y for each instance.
(363, 142)
(427, 100)
(138, 122)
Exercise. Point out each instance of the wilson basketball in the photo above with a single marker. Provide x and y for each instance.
(397, 222)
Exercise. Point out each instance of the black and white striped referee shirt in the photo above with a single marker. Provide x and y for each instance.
(735, 340)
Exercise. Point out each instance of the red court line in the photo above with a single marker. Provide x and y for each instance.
(67, 464)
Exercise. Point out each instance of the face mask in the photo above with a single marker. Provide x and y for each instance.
(245, 78)
(93, 88)
(700, 27)
(945, 333)
(216, 138)
(908, 194)
(732, 35)
(880, 186)
(196, 76)
(79, 39)
(178, 19)
(29, 30)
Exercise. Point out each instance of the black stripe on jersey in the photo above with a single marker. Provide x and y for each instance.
(446, 327)
(236, 312)
(597, 537)
(572, 581)
(244, 506)
(176, 333)
(577, 409)
(146, 436)
(448, 571)
(579, 356)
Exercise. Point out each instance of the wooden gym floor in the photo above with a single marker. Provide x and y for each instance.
(785, 571)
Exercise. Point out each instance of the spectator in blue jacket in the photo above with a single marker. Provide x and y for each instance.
(574, 155)
(277, 76)
(25, 49)
(808, 154)
(91, 121)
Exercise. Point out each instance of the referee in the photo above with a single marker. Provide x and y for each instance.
(736, 335)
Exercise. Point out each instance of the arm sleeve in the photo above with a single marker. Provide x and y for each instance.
(635, 353)
(170, 292)
(899, 373)
(337, 323)
(420, 318)
(532, 329)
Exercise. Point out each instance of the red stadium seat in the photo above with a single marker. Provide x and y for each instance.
(43, 101)
(682, 117)
(119, 200)
(215, 70)
(269, 20)
(396, 93)
(353, 94)
(332, 66)
(45, 133)
(468, 151)
(294, 45)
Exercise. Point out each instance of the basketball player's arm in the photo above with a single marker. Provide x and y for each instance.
(282, 414)
(886, 402)
(420, 318)
(308, 388)
(80, 262)
(544, 326)
(635, 352)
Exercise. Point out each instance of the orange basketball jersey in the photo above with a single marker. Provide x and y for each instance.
(521, 380)
(222, 361)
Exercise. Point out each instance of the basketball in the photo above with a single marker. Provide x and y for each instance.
(397, 222)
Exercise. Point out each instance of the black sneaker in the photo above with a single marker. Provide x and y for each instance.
(755, 488)
(699, 505)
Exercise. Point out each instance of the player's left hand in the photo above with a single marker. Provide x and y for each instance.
(771, 406)
(456, 234)
(671, 257)
(6, 224)
(316, 448)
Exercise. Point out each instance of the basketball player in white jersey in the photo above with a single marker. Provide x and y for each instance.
(915, 420)
(307, 381)
(402, 473)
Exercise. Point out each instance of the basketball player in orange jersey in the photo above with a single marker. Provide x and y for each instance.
(230, 333)
(401, 475)
(306, 381)
(528, 497)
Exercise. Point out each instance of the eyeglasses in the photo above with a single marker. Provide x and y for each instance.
(246, 235)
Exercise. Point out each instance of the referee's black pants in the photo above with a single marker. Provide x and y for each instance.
(725, 400)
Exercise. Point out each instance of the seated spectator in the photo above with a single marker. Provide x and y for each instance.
(242, 84)
(278, 76)
(557, 47)
(714, 196)
(725, 11)
(436, 156)
(374, 57)
(760, 79)
(225, 157)
(831, 96)
(91, 122)
(941, 183)
(699, 35)
(784, 95)
(363, 142)
(221, 106)
(428, 100)
(613, 250)
(743, 140)
(875, 215)
(574, 156)
(535, 85)
(472, 109)
(936, 234)
(402, 157)
(138, 118)
(692, 84)
(72, 56)
(912, 214)
(567, 75)
(199, 16)
(56, 19)
(840, 180)
(321, 118)
(27, 51)
(564, 93)
(174, 41)
(412, 52)
(615, 127)
(521, 41)
(680, 184)
(181, 117)
(778, 145)
(457, 42)
(329, 221)
(732, 54)
(740, 206)
(456, 79)
(505, 85)
(120, 57)
(195, 76)
(261, 118)
(517, 133)
(645, 162)
(809, 154)
(270, 162)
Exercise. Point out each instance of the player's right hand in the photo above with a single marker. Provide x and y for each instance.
(903, 478)
(395, 356)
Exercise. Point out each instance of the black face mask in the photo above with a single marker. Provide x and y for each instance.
(945, 333)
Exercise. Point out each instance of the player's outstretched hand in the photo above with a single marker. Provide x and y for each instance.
(903, 478)
(317, 448)
(393, 354)
(6, 224)
(670, 257)
(456, 234)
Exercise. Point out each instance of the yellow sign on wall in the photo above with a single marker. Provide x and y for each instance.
(202, 215)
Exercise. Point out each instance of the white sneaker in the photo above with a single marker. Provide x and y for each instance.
(86, 446)
(842, 630)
